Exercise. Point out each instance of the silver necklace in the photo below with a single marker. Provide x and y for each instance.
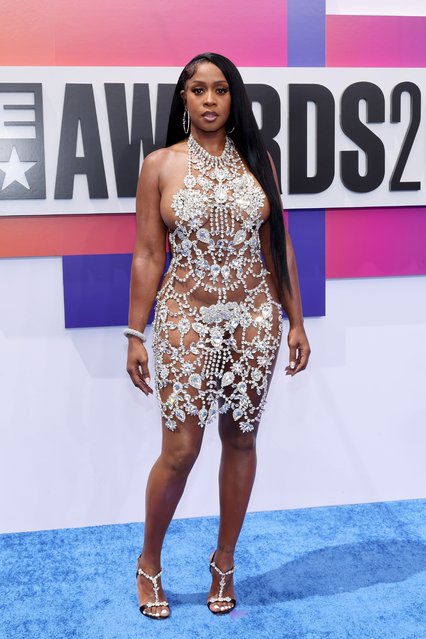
(201, 154)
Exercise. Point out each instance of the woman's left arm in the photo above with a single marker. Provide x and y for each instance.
(299, 349)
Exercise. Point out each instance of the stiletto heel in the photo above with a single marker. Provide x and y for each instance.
(222, 583)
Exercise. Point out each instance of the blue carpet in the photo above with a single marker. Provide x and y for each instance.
(355, 571)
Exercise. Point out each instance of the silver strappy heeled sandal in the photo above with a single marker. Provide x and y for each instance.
(222, 583)
(146, 608)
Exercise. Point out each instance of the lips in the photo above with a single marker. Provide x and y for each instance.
(210, 115)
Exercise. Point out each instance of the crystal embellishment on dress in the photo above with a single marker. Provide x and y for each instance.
(215, 270)
(190, 181)
(202, 414)
(195, 380)
(203, 235)
(225, 271)
(220, 194)
(239, 237)
(217, 325)
(227, 379)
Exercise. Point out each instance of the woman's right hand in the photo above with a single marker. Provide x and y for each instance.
(137, 365)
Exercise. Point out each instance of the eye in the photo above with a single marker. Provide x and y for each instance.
(223, 90)
(197, 90)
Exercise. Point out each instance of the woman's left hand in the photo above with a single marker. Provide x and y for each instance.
(299, 350)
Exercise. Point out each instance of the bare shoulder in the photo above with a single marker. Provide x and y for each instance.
(159, 161)
(154, 160)
(166, 154)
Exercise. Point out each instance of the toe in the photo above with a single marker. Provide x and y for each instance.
(157, 611)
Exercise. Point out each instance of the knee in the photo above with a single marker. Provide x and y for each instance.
(180, 461)
(239, 441)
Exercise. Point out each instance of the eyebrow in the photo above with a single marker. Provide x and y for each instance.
(202, 81)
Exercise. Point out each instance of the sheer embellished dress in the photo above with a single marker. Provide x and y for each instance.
(217, 327)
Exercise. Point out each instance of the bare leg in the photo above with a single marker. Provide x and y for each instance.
(236, 477)
(165, 486)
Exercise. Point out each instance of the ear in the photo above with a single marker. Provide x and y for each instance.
(182, 95)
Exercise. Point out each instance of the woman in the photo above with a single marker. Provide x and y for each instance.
(213, 190)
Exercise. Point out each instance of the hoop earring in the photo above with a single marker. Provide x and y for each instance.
(232, 130)
(186, 121)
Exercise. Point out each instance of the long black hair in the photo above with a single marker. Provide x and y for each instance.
(249, 142)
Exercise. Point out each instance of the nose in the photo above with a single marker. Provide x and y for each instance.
(209, 97)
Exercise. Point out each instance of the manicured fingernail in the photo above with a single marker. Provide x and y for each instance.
(292, 365)
(147, 380)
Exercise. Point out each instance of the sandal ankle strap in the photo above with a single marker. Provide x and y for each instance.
(152, 578)
(223, 574)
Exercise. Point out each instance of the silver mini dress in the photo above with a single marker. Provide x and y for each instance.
(217, 327)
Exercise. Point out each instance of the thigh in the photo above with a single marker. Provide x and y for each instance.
(180, 383)
(250, 366)
(181, 447)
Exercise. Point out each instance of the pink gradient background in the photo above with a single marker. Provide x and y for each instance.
(137, 32)
(375, 41)
(67, 235)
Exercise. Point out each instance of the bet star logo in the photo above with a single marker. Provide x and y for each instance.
(22, 172)
(14, 170)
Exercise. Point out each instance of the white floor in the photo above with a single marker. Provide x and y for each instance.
(78, 440)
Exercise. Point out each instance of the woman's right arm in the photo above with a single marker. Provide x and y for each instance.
(149, 258)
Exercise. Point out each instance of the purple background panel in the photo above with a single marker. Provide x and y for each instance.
(307, 230)
(306, 33)
(306, 48)
(96, 289)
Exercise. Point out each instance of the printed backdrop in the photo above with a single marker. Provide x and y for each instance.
(96, 246)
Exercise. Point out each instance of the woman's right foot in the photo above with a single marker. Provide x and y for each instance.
(148, 582)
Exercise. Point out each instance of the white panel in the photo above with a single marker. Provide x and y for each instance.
(336, 80)
(78, 440)
(377, 7)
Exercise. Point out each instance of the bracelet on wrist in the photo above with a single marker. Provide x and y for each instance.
(128, 332)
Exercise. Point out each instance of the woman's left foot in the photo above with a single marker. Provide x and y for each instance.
(221, 599)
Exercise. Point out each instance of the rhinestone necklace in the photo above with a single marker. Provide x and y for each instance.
(222, 167)
(202, 156)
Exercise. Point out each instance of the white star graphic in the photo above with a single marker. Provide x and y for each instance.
(14, 170)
